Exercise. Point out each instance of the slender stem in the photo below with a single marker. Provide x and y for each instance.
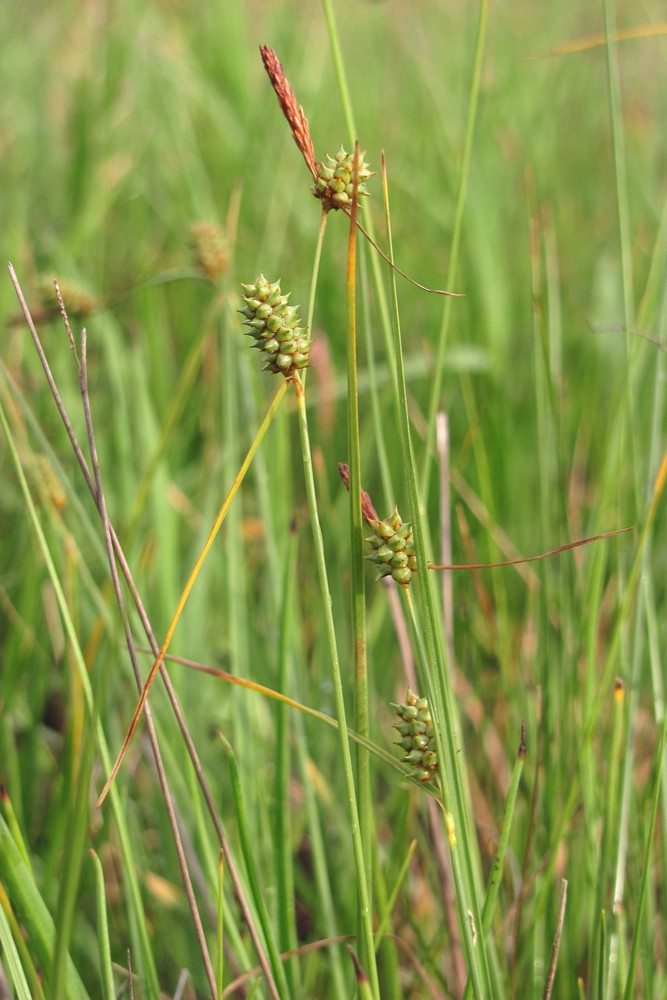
(285, 904)
(356, 546)
(243, 826)
(466, 159)
(551, 971)
(314, 276)
(320, 560)
(646, 872)
(343, 89)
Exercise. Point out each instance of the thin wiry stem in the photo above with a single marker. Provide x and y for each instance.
(466, 161)
(155, 647)
(551, 973)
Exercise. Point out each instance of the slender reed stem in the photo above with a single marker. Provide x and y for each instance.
(320, 560)
(356, 545)
(452, 270)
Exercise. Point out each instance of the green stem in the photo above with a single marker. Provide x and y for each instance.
(251, 870)
(343, 89)
(357, 556)
(346, 757)
(646, 873)
(452, 271)
(287, 935)
(106, 971)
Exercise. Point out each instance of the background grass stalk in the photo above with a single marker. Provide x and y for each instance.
(611, 826)
(457, 229)
(12, 959)
(220, 927)
(496, 875)
(73, 858)
(630, 990)
(365, 913)
(284, 839)
(253, 876)
(106, 971)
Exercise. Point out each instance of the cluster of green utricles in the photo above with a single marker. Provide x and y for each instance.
(393, 548)
(417, 736)
(334, 182)
(274, 324)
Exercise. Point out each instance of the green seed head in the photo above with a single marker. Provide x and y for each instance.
(417, 737)
(334, 182)
(392, 548)
(274, 326)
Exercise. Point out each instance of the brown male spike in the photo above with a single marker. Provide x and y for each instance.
(293, 112)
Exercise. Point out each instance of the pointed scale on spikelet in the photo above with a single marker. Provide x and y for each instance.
(274, 325)
(393, 548)
(417, 736)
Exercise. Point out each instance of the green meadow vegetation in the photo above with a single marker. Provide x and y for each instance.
(262, 836)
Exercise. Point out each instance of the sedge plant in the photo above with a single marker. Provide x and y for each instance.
(291, 851)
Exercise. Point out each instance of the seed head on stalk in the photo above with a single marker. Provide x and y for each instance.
(417, 736)
(274, 325)
(393, 548)
(334, 183)
(333, 175)
(392, 544)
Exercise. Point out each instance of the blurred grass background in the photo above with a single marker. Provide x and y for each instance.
(123, 124)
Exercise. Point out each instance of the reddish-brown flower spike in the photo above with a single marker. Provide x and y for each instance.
(293, 112)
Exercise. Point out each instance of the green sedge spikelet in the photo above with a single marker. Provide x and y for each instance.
(334, 184)
(393, 548)
(274, 326)
(417, 736)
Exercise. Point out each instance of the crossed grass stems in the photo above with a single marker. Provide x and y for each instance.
(333, 195)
